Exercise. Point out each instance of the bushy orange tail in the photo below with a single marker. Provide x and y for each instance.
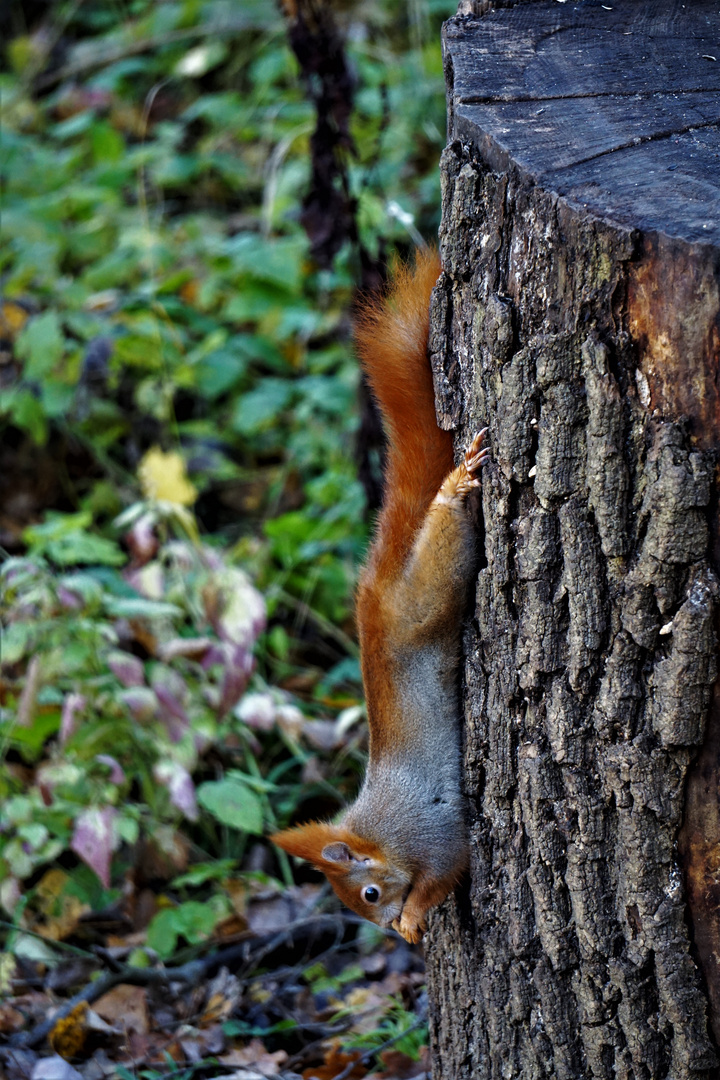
(391, 336)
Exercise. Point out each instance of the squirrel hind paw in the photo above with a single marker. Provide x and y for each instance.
(476, 456)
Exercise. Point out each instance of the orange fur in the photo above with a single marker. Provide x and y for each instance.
(307, 841)
(402, 846)
(391, 339)
(391, 336)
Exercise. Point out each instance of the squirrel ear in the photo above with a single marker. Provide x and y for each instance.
(307, 841)
(337, 852)
(330, 847)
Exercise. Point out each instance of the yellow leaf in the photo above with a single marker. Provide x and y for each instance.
(61, 910)
(7, 973)
(12, 318)
(163, 477)
(68, 1036)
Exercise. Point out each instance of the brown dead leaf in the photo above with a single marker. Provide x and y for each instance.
(237, 890)
(231, 929)
(10, 1019)
(256, 1054)
(223, 995)
(403, 1067)
(125, 1007)
(335, 1061)
(162, 856)
(268, 915)
(189, 291)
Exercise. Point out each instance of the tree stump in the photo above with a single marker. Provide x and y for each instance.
(578, 315)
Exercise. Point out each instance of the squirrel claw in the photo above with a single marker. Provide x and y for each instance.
(476, 456)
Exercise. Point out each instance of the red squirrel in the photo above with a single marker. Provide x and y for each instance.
(402, 846)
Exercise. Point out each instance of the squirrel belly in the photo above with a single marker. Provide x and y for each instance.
(402, 846)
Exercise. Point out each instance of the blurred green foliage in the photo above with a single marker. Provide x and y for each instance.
(158, 291)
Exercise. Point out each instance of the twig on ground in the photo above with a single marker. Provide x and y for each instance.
(189, 974)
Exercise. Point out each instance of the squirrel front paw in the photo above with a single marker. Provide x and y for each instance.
(412, 929)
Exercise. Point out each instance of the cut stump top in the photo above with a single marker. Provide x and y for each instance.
(614, 106)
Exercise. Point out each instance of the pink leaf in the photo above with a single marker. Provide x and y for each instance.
(172, 692)
(193, 648)
(72, 705)
(234, 607)
(239, 666)
(180, 786)
(94, 839)
(257, 711)
(116, 771)
(127, 668)
(141, 702)
(141, 540)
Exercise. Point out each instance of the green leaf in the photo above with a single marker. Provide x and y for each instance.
(26, 412)
(192, 921)
(276, 261)
(241, 1028)
(232, 803)
(41, 344)
(140, 608)
(217, 372)
(261, 407)
(107, 143)
(85, 586)
(76, 548)
(202, 872)
(289, 533)
(29, 741)
(162, 933)
(15, 640)
(55, 527)
(56, 398)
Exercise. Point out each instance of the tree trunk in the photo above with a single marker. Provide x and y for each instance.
(579, 317)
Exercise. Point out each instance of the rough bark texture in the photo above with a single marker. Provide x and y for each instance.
(587, 338)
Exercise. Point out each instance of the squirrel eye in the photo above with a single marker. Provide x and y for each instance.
(371, 894)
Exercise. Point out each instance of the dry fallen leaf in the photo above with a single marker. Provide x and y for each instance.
(335, 1061)
(10, 1019)
(256, 1054)
(403, 1067)
(125, 1007)
(55, 1068)
(223, 995)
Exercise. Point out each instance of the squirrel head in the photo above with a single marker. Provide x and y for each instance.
(360, 874)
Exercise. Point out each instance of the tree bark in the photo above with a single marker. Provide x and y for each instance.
(578, 315)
